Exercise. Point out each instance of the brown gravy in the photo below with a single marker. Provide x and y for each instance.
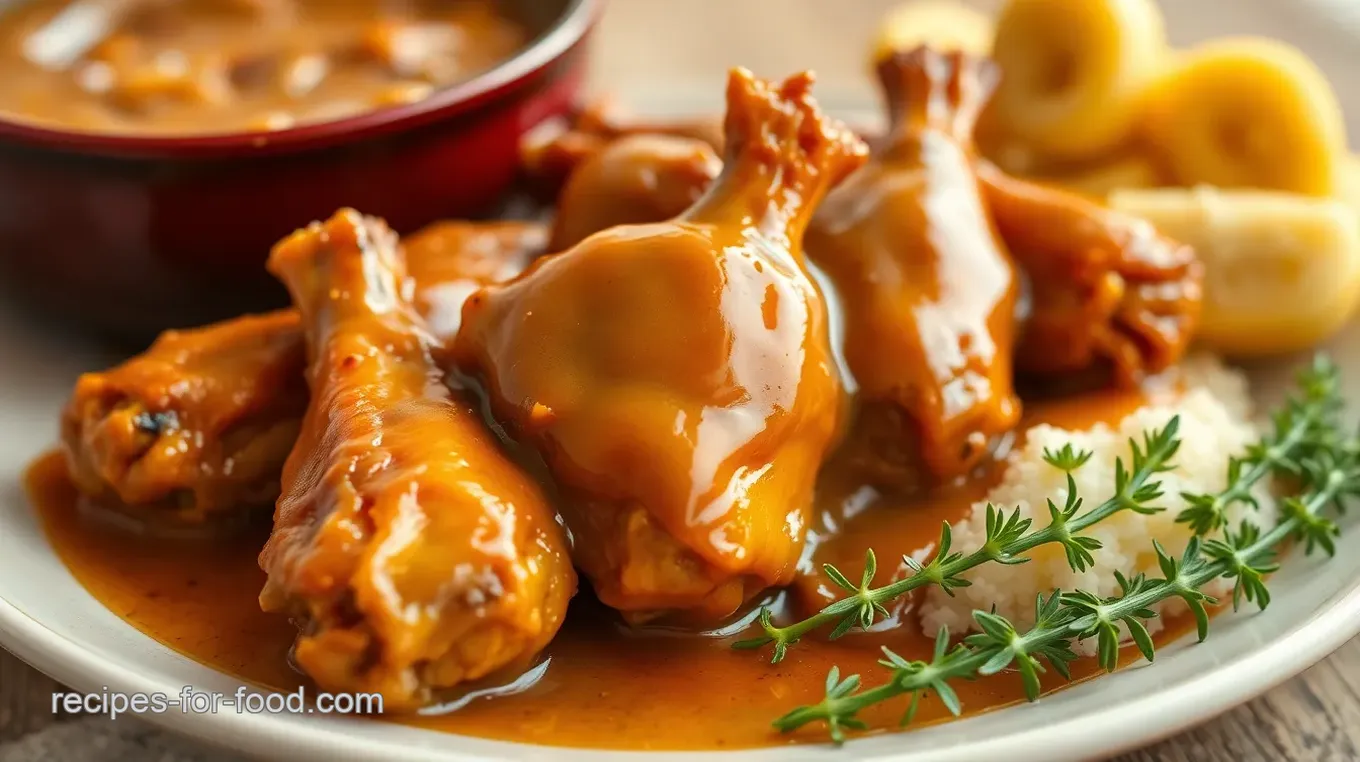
(214, 66)
(603, 686)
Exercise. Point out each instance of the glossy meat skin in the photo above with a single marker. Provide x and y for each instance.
(196, 428)
(449, 261)
(635, 179)
(1107, 290)
(415, 554)
(552, 152)
(927, 286)
(608, 118)
(675, 377)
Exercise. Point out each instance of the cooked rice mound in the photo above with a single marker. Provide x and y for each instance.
(1214, 412)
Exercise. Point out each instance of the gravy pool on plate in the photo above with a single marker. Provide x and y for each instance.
(199, 596)
(214, 66)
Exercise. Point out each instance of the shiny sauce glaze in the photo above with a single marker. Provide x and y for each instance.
(911, 248)
(599, 684)
(213, 66)
(675, 377)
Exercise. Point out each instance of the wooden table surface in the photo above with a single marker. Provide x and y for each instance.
(1313, 718)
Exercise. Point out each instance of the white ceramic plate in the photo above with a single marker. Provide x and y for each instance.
(48, 619)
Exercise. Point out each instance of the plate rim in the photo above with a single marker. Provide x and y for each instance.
(1126, 725)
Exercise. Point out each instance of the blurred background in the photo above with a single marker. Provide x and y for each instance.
(655, 57)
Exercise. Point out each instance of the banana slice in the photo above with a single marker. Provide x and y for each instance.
(1248, 113)
(1131, 171)
(1074, 71)
(1282, 271)
(941, 24)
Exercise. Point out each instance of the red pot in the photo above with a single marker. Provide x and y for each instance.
(127, 235)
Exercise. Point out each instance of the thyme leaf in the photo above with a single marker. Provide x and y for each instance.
(1305, 442)
(1008, 538)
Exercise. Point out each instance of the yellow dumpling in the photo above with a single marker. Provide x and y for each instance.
(1248, 113)
(1074, 72)
(1282, 271)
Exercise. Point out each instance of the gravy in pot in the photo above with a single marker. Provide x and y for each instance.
(184, 67)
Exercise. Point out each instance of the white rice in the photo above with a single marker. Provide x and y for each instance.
(1214, 411)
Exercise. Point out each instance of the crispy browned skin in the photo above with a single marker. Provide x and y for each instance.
(416, 555)
(635, 179)
(198, 426)
(676, 377)
(927, 286)
(1106, 289)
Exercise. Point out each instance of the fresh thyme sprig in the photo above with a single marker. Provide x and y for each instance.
(1300, 420)
(1324, 465)
(1008, 537)
(1065, 617)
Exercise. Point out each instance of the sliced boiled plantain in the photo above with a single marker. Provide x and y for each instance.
(1282, 271)
(1248, 113)
(1074, 72)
